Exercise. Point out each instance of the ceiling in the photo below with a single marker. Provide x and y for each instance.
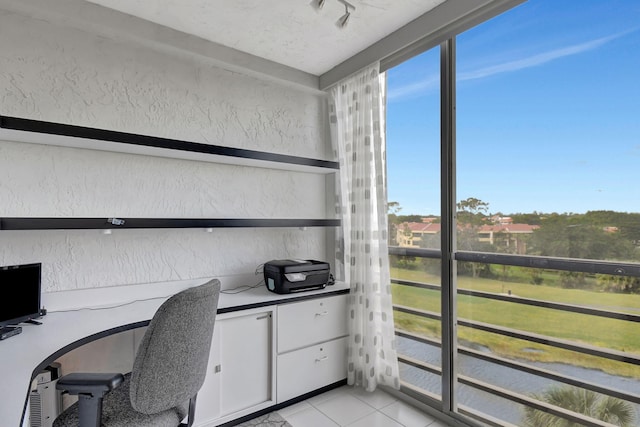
(289, 32)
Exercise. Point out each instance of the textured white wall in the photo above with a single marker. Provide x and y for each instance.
(58, 74)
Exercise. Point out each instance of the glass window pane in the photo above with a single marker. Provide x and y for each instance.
(417, 316)
(413, 176)
(509, 326)
(548, 136)
(413, 151)
(548, 101)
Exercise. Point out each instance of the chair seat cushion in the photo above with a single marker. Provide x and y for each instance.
(117, 412)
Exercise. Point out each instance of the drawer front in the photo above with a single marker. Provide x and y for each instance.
(310, 368)
(311, 322)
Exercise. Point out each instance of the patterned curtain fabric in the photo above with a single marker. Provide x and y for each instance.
(356, 116)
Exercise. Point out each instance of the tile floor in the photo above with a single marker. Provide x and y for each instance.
(353, 407)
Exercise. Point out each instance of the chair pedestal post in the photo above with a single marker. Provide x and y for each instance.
(89, 410)
(192, 410)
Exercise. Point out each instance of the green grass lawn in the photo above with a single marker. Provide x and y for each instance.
(601, 332)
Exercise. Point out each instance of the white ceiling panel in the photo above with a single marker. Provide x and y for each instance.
(289, 32)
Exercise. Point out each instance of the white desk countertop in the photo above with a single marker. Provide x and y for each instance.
(22, 354)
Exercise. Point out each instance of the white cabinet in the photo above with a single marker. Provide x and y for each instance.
(311, 345)
(268, 355)
(241, 366)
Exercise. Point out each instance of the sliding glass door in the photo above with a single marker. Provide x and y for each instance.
(513, 154)
(413, 159)
(548, 225)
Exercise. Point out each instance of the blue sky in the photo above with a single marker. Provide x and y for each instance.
(548, 112)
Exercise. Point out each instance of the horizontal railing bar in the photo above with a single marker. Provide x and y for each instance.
(419, 338)
(419, 364)
(529, 336)
(417, 312)
(548, 374)
(485, 418)
(593, 266)
(416, 284)
(534, 403)
(416, 252)
(553, 342)
(553, 305)
(419, 394)
(523, 367)
(529, 301)
(553, 263)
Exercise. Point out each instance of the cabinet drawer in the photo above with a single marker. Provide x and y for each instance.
(310, 368)
(311, 322)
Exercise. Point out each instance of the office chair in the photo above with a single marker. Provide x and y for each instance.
(168, 370)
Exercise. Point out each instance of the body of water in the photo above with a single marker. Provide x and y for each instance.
(510, 379)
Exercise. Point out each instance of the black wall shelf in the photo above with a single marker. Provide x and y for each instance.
(48, 133)
(58, 134)
(137, 223)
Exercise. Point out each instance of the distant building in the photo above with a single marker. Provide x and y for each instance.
(507, 236)
(511, 237)
(497, 219)
(429, 219)
(411, 234)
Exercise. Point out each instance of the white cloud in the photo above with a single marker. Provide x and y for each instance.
(535, 60)
(424, 85)
(432, 82)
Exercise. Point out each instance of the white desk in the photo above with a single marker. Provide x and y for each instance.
(24, 355)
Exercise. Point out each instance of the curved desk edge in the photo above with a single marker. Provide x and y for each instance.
(254, 298)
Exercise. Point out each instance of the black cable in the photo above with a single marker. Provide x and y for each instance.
(109, 306)
(246, 288)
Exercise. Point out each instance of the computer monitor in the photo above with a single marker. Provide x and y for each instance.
(20, 287)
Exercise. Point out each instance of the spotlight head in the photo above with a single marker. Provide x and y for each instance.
(344, 19)
(317, 4)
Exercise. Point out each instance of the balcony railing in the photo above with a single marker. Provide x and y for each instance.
(511, 333)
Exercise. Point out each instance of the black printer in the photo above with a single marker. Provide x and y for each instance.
(284, 276)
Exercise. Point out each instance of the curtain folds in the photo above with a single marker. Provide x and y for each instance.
(356, 117)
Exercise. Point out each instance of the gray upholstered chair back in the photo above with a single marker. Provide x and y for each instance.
(171, 362)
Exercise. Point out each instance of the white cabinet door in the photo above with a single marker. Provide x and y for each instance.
(208, 401)
(246, 361)
(241, 367)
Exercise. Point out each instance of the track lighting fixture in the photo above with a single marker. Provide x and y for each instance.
(344, 19)
(342, 22)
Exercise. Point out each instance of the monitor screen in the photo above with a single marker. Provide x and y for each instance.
(20, 286)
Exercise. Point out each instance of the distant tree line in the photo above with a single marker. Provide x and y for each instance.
(597, 235)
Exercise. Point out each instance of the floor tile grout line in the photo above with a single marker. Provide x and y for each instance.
(381, 413)
(341, 392)
(334, 420)
(352, 395)
(360, 418)
(379, 409)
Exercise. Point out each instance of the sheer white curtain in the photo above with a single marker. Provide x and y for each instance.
(356, 116)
